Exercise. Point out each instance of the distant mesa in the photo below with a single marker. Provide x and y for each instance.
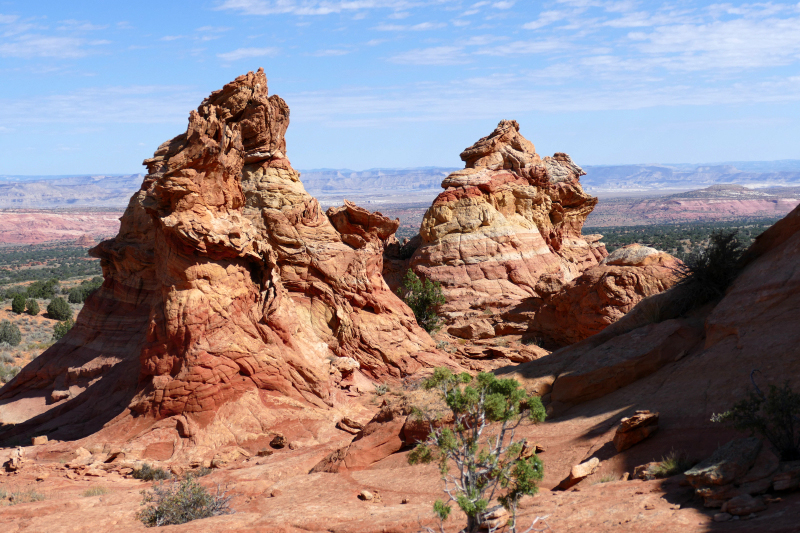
(229, 294)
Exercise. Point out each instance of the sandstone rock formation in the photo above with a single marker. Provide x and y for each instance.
(601, 295)
(751, 327)
(227, 282)
(505, 220)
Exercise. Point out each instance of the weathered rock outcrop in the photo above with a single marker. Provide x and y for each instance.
(688, 366)
(601, 295)
(504, 221)
(226, 278)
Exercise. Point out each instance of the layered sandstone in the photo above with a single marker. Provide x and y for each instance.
(601, 295)
(227, 282)
(502, 222)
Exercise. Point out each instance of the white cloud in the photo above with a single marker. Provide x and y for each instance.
(734, 44)
(30, 46)
(246, 53)
(438, 55)
(79, 25)
(399, 15)
(526, 47)
(142, 104)
(315, 7)
(545, 18)
(8, 19)
(423, 26)
(503, 5)
(331, 52)
(171, 37)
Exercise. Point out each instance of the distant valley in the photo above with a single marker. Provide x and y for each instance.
(408, 185)
(38, 209)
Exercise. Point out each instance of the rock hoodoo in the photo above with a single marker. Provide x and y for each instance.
(226, 278)
(509, 217)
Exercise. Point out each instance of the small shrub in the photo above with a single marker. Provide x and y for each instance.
(707, 274)
(23, 496)
(672, 464)
(179, 502)
(607, 478)
(32, 307)
(95, 491)
(10, 333)
(6, 358)
(8, 372)
(18, 304)
(200, 472)
(775, 416)
(149, 473)
(487, 458)
(381, 389)
(422, 296)
(533, 341)
(61, 329)
(59, 309)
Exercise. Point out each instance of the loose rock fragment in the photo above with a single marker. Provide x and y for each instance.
(635, 429)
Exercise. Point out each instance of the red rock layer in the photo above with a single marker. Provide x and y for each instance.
(226, 277)
(505, 220)
(601, 295)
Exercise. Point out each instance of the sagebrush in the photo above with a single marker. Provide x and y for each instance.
(150, 473)
(181, 501)
(10, 333)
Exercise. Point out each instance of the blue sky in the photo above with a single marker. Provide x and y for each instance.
(95, 87)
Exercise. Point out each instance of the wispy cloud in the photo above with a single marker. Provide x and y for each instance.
(138, 104)
(422, 26)
(314, 7)
(437, 55)
(30, 46)
(80, 25)
(331, 52)
(247, 53)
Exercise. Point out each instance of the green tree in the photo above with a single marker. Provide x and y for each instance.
(422, 296)
(32, 307)
(61, 329)
(18, 304)
(43, 289)
(59, 309)
(10, 333)
(709, 272)
(489, 461)
(78, 295)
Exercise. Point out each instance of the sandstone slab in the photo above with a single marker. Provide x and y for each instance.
(728, 464)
